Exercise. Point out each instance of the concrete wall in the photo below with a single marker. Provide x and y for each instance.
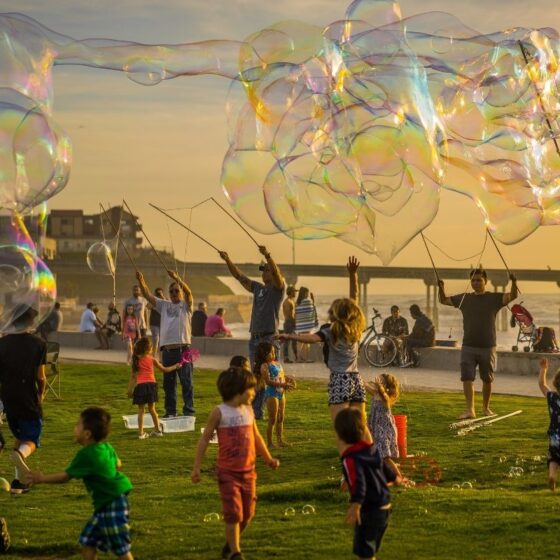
(516, 363)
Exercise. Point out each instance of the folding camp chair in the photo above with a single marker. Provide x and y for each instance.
(53, 373)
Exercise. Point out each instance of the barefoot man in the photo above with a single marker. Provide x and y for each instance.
(479, 310)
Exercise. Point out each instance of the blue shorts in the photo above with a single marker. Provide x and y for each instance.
(108, 528)
(273, 392)
(26, 430)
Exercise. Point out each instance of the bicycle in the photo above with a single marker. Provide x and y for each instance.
(379, 349)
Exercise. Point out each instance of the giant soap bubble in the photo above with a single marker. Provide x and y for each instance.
(349, 130)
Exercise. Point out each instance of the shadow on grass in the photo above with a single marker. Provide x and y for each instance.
(52, 552)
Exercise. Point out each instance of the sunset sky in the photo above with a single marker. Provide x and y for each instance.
(165, 144)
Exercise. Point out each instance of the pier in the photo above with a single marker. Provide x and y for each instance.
(497, 278)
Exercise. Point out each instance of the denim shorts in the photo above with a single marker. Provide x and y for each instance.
(26, 430)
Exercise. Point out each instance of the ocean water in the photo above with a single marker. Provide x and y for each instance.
(545, 309)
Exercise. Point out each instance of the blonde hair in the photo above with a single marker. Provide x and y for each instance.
(389, 389)
(348, 321)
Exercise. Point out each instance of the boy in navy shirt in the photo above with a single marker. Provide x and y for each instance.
(367, 477)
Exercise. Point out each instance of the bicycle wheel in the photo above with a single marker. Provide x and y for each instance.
(380, 350)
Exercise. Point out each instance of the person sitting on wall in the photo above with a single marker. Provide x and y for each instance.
(215, 325)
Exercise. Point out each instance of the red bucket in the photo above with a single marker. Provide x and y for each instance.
(401, 423)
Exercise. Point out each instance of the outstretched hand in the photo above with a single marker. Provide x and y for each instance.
(139, 276)
(264, 251)
(352, 265)
(223, 255)
(513, 278)
(173, 275)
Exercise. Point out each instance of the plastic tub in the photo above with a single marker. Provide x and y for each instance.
(178, 424)
(131, 422)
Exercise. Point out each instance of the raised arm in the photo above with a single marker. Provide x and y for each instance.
(443, 299)
(277, 278)
(144, 289)
(352, 267)
(513, 293)
(211, 425)
(235, 272)
(543, 362)
(184, 286)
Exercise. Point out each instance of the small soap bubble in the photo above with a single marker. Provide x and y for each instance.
(209, 517)
(467, 485)
(456, 487)
(421, 454)
(503, 459)
(519, 461)
(537, 459)
(289, 512)
(515, 472)
(422, 511)
(307, 509)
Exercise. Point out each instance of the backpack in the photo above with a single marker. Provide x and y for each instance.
(546, 340)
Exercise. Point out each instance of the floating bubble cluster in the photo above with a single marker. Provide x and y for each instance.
(209, 517)
(347, 131)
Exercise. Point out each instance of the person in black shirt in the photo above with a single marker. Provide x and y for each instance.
(199, 319)
(23, 383)
(479, 310)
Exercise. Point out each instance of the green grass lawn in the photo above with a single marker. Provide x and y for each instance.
(500, 517)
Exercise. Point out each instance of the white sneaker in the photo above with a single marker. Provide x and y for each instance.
(156, 434)
(145, 435)
(19, 461)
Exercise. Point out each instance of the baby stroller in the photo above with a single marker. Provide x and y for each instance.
(527, 329)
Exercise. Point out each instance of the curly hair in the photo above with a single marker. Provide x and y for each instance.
(348, 321)
(389, 389)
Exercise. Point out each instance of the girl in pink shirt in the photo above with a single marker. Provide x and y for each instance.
(238, 442)
(142, 386)
(130, 331)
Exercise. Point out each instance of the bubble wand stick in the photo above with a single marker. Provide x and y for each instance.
(431, 259)
(184, 227)
(147, 238)
(539, 97)
(132, 262)
(237, 222)
(501, 256)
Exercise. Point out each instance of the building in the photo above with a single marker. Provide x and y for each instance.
(75, 232)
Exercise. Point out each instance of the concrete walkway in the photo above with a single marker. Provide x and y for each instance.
(421, 378)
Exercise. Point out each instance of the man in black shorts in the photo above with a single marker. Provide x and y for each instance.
(479, 311)
(22, 377)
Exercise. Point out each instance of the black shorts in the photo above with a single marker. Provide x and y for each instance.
(145, 393)
(368, 535)
(553, 455)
